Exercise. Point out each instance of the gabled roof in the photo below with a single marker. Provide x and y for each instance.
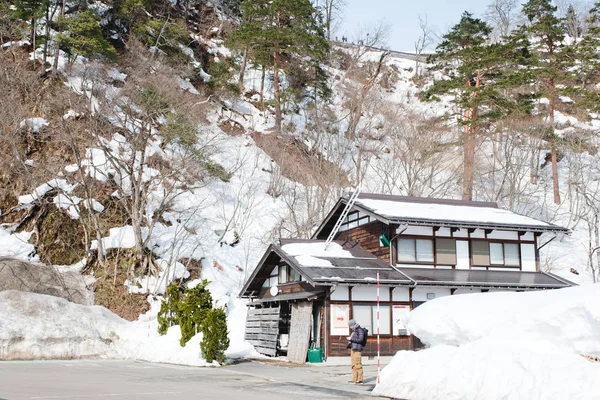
(348, 263)
(437, 212)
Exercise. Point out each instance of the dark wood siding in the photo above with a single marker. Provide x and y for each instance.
(368, 237)
(389, 345)
(262, 328)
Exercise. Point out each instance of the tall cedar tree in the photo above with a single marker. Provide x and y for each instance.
(478, 77)
(547, 33)
(282, 29)
(588, 62)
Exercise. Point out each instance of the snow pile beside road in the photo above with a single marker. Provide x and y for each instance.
(501, 346)
(34, 326)
(570, 318)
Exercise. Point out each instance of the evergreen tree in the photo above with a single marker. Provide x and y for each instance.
(281, 29)
(170, 312)
(31, 10)
(478, 75)
(194, 308)
(588, 62)
(82, 35)
(215, 340)
(547, 32)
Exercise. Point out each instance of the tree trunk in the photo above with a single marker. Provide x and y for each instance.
(555, 175)
(57, 49)
(468, 162)
(276, 92)
(243, 70)
(262, 87)
(33, 36)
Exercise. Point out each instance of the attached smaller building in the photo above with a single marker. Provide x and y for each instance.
(304, 291)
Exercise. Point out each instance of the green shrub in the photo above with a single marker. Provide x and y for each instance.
(215, 340)
(82, 35)
(169, 312)
(196, 304)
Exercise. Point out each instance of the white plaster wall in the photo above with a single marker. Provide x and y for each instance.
(418, 230)
(443, 232)
(340, 293)
(462, 254)
(503, 235)
(528, 257)
(463, 233)
(369, 293)
(478, 233)
(466, 291)
(400, 294)
(420, 294)
(527, 236)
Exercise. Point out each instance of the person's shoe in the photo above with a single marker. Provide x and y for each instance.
(351, 382)
(358, 382)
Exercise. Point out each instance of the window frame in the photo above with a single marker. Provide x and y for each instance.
(433, 240)
(491, 264)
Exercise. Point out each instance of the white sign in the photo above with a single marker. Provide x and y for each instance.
(400, 312)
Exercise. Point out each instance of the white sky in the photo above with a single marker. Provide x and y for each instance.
(403, 17)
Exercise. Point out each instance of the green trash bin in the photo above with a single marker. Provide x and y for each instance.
(315, 355)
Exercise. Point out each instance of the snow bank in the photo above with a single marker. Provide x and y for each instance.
(35, 326)
(501, 346)
(490, 370)
(570, 318)
(17, 245)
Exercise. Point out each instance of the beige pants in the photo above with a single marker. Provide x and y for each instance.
(357, 369)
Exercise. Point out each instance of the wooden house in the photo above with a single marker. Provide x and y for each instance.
(305, 291)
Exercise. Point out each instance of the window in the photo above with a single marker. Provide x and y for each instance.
(354, 219)
(415, 250)
(366, 316)
(445, 251)
(421, 250)
(495, 253)
(287, 274)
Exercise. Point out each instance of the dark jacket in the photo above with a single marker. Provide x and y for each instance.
(358, 335)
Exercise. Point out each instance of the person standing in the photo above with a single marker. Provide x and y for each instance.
(357, 340)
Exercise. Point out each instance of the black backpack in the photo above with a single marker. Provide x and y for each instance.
(366, 333)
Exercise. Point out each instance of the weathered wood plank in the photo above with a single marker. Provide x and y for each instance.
(299, 331)
(263, 311)
(261, 336)
(269, 317)
(262, 330)
(266, 351)
(262, 324)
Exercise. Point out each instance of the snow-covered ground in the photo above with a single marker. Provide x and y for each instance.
(501, 346)
(35, 326)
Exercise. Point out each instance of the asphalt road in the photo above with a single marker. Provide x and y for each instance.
(104, 379)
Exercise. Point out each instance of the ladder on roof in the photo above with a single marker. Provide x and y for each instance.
(343, 216)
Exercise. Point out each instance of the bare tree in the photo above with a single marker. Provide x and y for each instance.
(332, 14)
(424, 40)
(503, 16)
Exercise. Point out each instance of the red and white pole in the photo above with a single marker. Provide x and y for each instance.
(378, 343)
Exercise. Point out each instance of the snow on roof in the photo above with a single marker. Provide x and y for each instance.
(410, 210)
(316, 249)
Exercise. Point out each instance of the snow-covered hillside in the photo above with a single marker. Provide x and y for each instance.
(242, 185)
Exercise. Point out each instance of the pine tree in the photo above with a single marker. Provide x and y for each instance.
(31, 10)
(588, 63)
(215, 340)
(280, 29)
(82, 35)
(547, 32)
(478, 77)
